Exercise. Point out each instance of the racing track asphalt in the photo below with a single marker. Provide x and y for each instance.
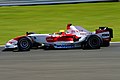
(78, 64)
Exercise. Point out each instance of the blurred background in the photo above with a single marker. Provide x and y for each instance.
(20, 16)
(33, 2)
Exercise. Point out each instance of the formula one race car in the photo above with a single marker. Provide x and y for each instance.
(73, 37)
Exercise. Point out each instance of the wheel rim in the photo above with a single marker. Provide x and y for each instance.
(24, 44)
(94, 42)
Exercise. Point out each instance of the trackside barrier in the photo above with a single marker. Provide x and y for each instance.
(43, 2)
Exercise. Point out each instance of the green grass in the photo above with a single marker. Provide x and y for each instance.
(16, 20)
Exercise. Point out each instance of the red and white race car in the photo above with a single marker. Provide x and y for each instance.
(73, 37)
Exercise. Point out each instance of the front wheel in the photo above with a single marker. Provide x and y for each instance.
(24, 44)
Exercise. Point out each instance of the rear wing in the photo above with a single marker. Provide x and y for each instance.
(106, 29)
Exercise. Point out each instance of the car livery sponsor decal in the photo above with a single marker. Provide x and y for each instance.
(64, 45)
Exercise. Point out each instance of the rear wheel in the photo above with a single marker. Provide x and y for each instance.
(24, 44)
(93, 42)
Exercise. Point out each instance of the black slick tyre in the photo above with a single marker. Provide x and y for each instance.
(24, 44)
(93, 42)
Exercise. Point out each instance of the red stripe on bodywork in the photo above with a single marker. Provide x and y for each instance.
(100, 31)
(65, 37)
(17, 38)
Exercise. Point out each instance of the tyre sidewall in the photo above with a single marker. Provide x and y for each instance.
(24, 44)
(94, 42)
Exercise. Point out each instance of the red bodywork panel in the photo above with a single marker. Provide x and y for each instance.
(100, 31)
(63, 37)
(17, 38)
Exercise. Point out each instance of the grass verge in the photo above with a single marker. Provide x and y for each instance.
(16, 20)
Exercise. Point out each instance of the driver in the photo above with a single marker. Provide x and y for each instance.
(61, 32)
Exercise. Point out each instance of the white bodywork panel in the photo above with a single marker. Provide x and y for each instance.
(39, 38)
(11, 44)
(104, 34)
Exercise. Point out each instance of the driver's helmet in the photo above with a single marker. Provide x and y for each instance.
(61, 32)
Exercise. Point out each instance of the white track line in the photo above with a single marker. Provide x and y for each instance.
(2, 45)
(114, 42)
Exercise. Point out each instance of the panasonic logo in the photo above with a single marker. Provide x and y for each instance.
(64, 46)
